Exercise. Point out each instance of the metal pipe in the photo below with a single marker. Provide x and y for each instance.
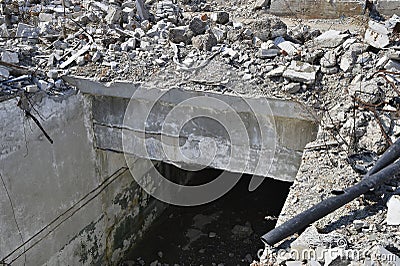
(384, 169)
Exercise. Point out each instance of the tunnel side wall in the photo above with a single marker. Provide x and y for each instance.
(44, 180)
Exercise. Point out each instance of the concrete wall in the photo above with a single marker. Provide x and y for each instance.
(44, 180)
(330, 8)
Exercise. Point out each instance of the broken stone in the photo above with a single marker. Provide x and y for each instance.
(301, 72)
(393, 213)
(197, 26)
(25, 30)
(260, 4)
(277, 72)
(219, 34)
(393, 66)
(45, 17)
(347, 61)
(269, 28)
(329, 70)
(292, 87)
(277, 27)
(358, 224)
(330, 39)
(31, 88)
(96, 56)
(80, 60)
(220, 17)
(4, 73)
(53, 74)
(128, 45)
(367, 91)
(377, 35)
(9, 57)
(328, 59)
(142, 11)
(268, 53)
(247, 76)
(180, 34)
(212, 235)
(204, 42)
(289, 48)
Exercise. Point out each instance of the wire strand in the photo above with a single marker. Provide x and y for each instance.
(13, 211)
(102, 185)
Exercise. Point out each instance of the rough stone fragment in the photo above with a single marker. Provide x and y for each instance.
(392, 65)
(80, 60)
(278, 27)
(289, 47)
(219, 34)
(301, 72)
(9, 57)
(268, 53)
(367, 91)
(276, 72)
(393, 213)
(4, 73)
(53, 74)
(220, 17)
(329, 70)
(329, 39)
(197, 26)
(292, 87)
(347, 61)
(328, 59)
(96, 56)
(25, 30)
(180, 34)
(262, 29)
(45, 17)
(114, 15)
(376, 35)
(204, 42)
(142, 11)
(31, 88)
(259, 4)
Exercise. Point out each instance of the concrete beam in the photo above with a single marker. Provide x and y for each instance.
(266, 139)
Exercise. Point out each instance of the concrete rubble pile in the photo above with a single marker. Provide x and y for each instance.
(350, 77)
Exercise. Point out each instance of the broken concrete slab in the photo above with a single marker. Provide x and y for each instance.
(329, 39)
(9, 57)
(377, 35)
(268, 53)
(276, 72)
(301, 72)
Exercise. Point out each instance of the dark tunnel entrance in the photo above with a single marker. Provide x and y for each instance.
(226, 231)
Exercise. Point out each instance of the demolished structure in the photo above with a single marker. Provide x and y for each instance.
(345, 71)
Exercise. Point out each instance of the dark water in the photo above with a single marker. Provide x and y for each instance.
(203, 235)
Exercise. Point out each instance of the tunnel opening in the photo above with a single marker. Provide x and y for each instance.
(226, 231)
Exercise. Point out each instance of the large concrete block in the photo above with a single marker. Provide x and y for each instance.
(201, 132)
